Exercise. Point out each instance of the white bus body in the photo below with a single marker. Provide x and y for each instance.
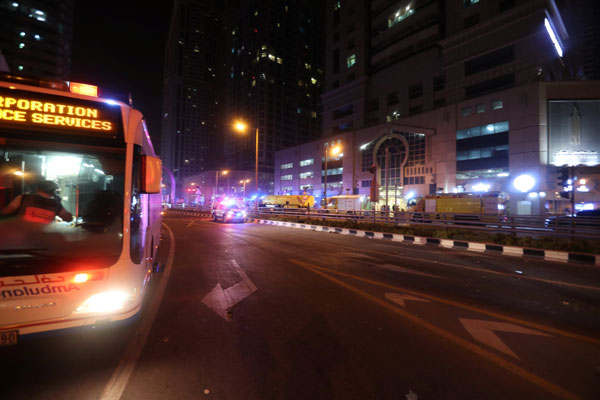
(95, 269)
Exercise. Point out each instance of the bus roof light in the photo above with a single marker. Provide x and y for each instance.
(84, 89)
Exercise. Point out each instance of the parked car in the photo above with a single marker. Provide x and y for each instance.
(228, 213)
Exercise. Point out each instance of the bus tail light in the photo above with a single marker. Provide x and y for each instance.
(85, 277)
(106, 302)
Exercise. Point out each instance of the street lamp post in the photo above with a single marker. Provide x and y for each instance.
(225, 172)
(328, 152)
(244, 183)
(240, 126)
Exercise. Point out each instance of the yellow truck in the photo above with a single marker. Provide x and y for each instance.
(287, 201)
(467, 206)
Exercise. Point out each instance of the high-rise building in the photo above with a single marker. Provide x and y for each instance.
(449, 96)
(275, 79)
(36, 37)
(194, 94)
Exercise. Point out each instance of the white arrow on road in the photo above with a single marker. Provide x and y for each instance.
(483, 331)
(399, 298)
(221, 301)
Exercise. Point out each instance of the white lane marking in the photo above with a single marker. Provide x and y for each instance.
(120, 377)
(392, 267)
(399, 298)
(191, 223)
(483, 331)
(355, 255)
(221, 301)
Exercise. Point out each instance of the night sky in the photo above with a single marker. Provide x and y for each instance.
(119, 46)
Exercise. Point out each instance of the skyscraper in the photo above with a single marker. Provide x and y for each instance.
(192, 129)
(275, 79)
(36, 37)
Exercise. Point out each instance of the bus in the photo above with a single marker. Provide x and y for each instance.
(93, 265)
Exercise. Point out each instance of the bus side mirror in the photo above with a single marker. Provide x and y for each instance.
(151, 174)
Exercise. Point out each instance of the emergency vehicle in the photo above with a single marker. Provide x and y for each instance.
(95, 269)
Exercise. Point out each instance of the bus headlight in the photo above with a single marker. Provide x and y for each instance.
(105, 302)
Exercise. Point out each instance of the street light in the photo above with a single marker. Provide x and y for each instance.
(335, 150)
(241, 126)
(225, 172)
(244, 182)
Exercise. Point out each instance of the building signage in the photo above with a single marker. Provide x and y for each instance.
(573, 132)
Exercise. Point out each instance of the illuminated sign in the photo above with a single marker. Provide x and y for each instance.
(40, 112)
(37, 112)
(553, 37)
(573, 132)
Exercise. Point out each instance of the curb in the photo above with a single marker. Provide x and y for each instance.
(548, 255)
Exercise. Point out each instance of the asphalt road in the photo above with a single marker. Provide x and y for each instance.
(248, 311)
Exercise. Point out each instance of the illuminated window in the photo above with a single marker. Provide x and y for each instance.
(307, 175)
(333, 171)
(337, 5)
(309, 161)
(400, 15)
(287, 177)
(287, 166)
(351, 61)
(497, 104)
(313, 81)
(480, 108)
(22, 34)
(468, 3)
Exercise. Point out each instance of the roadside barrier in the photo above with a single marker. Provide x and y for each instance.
(549, 255)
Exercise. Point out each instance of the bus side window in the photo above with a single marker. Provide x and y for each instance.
(136, 229)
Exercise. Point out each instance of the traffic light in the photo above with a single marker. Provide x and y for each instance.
(562, 181)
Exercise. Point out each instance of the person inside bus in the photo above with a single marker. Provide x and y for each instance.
(41, 207)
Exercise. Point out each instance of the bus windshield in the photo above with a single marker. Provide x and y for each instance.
(87, 184)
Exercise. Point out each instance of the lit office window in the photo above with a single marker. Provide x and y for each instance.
(497, 104)
(287, 166)
(351, 61)
(400, 15)
(304, 163)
